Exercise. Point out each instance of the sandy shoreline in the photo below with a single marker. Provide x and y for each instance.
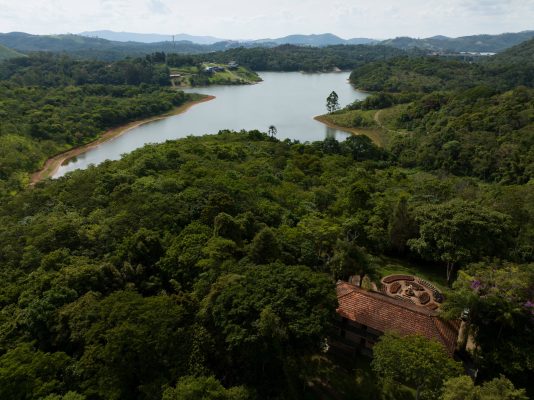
(373, 134)
(51, 165)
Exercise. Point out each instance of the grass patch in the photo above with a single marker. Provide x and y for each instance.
(388, 117)
(352, 118)
(230, 77)
(432, 273)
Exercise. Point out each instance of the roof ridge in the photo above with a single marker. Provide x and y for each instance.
(388, 299)
(443, 336)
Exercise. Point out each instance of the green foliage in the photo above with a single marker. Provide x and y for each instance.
(471, 119)
(51, 103)
(332, 102)
(463, 388)
(350, 259)
(6, 53)
(264, 248)
(133, 345)
(26, 373)
(414, 74)
(472, 132)
(303, 58)
(203, 388)
(48, 69)
(499, 303)
(458, 232)
(414, 361)
(160, 265)
(68, 396)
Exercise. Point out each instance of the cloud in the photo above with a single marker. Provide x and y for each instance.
(273, 18)
(488, 7)
(158, 7)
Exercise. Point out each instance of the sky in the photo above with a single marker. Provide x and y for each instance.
(254, 19)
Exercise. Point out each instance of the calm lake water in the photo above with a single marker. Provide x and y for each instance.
(287, 100)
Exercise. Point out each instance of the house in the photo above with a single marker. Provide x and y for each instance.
(211, 70)
(233, 65)
(363, 316)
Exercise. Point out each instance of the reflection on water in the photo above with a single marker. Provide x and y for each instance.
(331, 132)
(287, 100)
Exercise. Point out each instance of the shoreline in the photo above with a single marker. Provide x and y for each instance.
(373, 134)
(51, 165)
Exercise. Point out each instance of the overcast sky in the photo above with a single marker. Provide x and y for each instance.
(253, 19)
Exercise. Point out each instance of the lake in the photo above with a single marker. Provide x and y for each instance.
(287, 100)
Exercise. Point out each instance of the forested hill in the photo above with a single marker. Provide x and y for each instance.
(95, 48)
(474, 43)
(473, 119)
(49, 104)
(256, 57)
(514, 67)
(209, 263)
(298, 58)
(6, 53)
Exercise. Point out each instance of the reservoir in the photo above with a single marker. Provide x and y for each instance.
(287, 100)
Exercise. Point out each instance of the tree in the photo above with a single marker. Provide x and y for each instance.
(332, 102)
(131, 345)
(272, 131)
(349, 259)
(463, 388)
(264, 248)
(499, 301)
(265, 316)
(362, 148)
(401, 225)
(414, 361)
(26, 373)
(203, 388)
(460, 232)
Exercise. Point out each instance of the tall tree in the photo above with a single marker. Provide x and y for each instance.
(459, 232)
(414, 361)
(349, 259)
(272, 131)
(332, 102)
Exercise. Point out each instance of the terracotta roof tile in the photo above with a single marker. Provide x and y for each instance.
(384, 314)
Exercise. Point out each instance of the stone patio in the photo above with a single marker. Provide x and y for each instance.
(412, 289)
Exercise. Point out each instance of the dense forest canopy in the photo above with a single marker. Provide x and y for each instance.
(205, 267)
(231, 236)
(470, 119)
(299, 58)
(51, 103)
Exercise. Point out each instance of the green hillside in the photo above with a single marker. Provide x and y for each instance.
(474, 43)
(6, 53)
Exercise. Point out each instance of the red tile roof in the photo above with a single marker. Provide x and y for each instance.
(385, 314)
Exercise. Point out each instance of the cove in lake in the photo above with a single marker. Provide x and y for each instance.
(287, 100)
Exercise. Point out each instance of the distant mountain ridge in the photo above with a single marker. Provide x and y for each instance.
(320, 40)
(89, 47)
(150, 37)
(475, 43)
(100, 48)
